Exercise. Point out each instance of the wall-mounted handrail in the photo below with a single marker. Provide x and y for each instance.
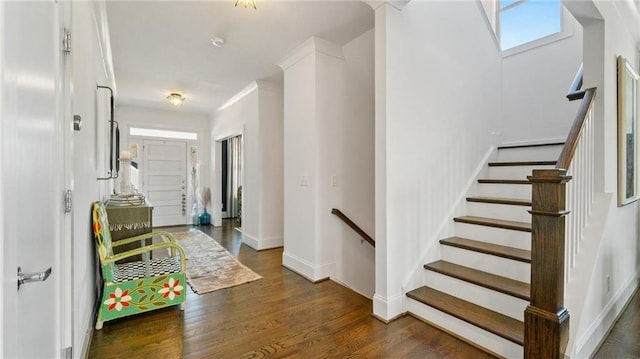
(574, 91)
(353, 226)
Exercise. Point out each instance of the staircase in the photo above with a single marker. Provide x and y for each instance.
(479, 290)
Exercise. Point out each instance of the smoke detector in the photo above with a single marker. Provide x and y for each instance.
(217, 42)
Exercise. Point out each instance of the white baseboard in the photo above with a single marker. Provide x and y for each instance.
(600, 327)
(263, 243)
(352, 289)
(388, 309)
(306, 269)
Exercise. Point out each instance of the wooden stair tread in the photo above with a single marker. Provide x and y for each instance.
(499, 200)
(493, 222)
(516, 254)
(522, 163)
(531, 145)
(503, 181)
(498, 283)
(496, 323)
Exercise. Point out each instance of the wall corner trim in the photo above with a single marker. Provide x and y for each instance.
(308, 47)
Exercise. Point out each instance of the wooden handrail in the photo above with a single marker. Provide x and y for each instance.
(353, 226)
(569, 149)
(574, 91)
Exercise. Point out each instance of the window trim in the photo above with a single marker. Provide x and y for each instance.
(162, 133)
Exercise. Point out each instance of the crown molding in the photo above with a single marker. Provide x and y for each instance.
(397, 4)
(311, 45)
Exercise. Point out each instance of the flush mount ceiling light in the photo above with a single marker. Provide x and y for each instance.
(176, 99)
(246, 3)
(217, 42)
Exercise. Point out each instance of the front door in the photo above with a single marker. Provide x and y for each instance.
(31, 213)
(165, 180)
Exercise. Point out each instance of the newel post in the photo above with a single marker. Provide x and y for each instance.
(546, 321)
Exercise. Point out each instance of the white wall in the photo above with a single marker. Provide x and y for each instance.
(443, 102)
(613, 277)
(541, 75)
(89, 69)
(271, 162)
(352, 140)
(329, 162)
(301, 247)
(241, 118)
(258, 117)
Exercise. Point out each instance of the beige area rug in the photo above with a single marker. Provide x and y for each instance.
(210, 267)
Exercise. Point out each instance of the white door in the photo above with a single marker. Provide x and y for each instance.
(165, 180)
(31, 213)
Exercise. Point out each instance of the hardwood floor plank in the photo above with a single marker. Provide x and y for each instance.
(284, 315)
(499, 324)
(495, 282)
(500, 200)
(281, 315)
(522, 163)
(493, 222)
(503, 181)
(516, 254)
(623, 341)
(531, 145)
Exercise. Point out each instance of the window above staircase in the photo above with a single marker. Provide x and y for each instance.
(520, 25)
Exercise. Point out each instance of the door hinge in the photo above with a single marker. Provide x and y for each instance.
(68, 201)
(66, 41)
(67, 353)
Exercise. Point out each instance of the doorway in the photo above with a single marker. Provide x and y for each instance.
(165, 180)
(231, 180)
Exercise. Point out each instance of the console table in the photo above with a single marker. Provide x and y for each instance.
(130, 221)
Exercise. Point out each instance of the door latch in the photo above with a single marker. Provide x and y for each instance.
(32, 277)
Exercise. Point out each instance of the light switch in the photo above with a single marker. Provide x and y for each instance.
(334, 181)
(304, 181)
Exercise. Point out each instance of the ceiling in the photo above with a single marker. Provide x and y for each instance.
(161, 47)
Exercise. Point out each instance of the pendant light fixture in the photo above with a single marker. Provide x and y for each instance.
(246, 3)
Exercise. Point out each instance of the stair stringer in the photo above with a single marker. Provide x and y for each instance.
(432, 252)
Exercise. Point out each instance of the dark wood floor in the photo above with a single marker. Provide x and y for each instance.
(284, 315)
(281, 315)
(623, 342)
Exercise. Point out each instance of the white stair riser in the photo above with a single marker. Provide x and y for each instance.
(501, 211)
(539, 153)
(514, 172)
(508, 268)
(521, 191)
(501, 236)
(468, 331)
(484, 297)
